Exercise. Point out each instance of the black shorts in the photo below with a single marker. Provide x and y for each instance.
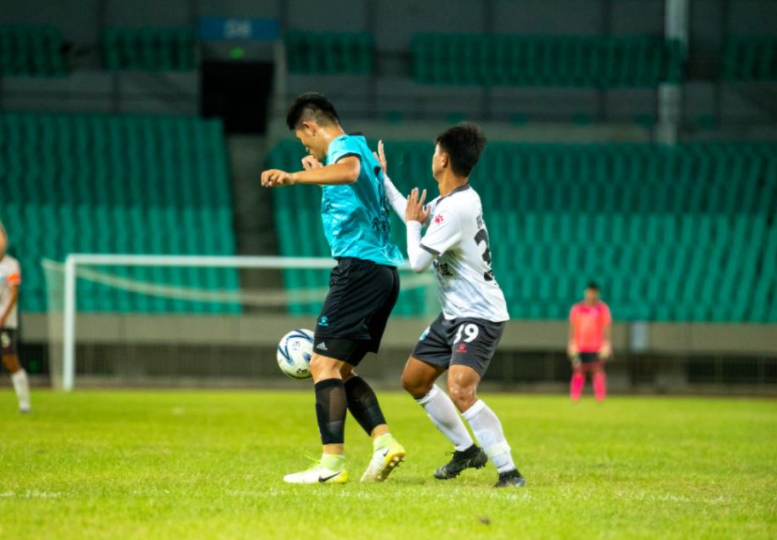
(353, 319)
(588, 357)
(8, 341)
(465, 342)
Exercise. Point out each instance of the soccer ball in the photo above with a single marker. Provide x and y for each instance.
(294, 353)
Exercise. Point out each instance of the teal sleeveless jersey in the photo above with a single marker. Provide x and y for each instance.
(356, 216)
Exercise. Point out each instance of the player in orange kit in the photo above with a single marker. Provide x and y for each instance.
(589, 346)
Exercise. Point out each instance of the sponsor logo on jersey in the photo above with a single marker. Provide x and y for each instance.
(443, 269)
(438, 219)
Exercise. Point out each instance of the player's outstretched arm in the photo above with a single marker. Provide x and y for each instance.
(397, 201)
(415, 216)
(345, 171)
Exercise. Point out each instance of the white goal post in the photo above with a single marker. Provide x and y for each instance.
(74, 268)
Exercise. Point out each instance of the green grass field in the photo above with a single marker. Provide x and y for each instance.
(137, 464)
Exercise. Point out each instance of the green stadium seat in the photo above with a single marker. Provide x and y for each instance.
(329, 53)
(33, 51)
(149, 49)
(747, 58)
(563, 61)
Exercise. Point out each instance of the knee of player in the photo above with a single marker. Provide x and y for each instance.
(463, 396)
(415, 388)
(347, 372)
(11, 362)
(323, 367)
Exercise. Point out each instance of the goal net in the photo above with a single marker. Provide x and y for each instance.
(192, 321)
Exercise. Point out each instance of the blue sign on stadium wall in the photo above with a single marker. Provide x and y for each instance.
(229, 29)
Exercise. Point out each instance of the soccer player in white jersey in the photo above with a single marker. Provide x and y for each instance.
(463, 338)
(10, 279)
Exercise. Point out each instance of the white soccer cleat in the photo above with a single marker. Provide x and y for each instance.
(384, 460)
(318, 474)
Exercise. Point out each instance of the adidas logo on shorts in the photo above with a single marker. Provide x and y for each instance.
(322, 346)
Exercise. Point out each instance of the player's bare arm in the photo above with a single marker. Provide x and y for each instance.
(606, 351)
(571, 347)
(345, 171)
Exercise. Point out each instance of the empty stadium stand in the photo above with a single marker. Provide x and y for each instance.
(556, 61)
(149, 49)
(672, 234)
(31, 51)
(329, 53)
(117, 184)
(750, 59)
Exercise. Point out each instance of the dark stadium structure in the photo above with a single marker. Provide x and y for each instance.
(626, 145)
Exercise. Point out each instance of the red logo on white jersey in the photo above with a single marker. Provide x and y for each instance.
(438, 219)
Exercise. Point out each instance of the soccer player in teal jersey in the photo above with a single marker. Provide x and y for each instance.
(363, 287)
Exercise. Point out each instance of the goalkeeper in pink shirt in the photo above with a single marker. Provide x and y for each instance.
(589, 346)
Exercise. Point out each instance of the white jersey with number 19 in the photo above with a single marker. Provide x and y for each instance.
(458, 237)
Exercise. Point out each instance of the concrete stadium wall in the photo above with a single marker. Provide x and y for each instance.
(265, 330)
(230, 351)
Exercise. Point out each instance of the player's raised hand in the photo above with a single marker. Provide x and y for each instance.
(309, 163)
(415, 207)
(276, 177)
(380, 155)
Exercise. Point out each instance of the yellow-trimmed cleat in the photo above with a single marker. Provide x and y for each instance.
(384, 460)
(319, 474)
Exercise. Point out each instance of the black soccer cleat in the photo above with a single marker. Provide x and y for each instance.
(472, 458)
(510, 479)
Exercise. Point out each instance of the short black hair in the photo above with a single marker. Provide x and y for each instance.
(593, 286)
(464, 144)
(311, 106)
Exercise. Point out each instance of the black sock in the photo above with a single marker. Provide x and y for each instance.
(363, 404)
(330, 410)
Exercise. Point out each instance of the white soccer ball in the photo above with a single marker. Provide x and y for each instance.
(294, 353)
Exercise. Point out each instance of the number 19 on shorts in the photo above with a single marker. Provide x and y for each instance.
(470, 332)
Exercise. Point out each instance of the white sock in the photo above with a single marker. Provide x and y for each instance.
(443, 413)
(22, 387)
(488, 432)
